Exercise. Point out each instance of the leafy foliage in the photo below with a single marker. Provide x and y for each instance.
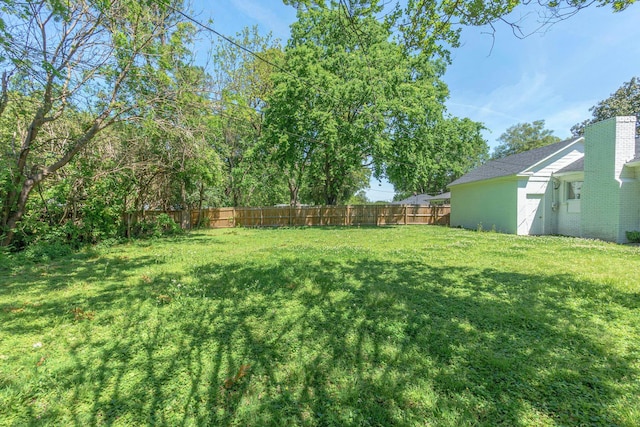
(244, 83)
(81, 67)
(434, 26)
(623, 102)
(633, 236)
(429, 157)
(523, 137)
(352, 99)
(325, 116)
(129, 91)
(157, 226)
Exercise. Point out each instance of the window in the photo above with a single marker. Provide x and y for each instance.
(574, 190)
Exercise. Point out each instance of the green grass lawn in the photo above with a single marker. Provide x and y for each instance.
(414, 325)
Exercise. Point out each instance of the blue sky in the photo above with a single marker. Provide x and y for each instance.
(556, 75)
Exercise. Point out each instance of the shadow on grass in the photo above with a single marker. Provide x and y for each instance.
(368, 342)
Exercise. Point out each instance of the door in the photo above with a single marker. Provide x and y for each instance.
(534, 213)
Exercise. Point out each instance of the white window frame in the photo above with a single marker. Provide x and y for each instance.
(570, 189)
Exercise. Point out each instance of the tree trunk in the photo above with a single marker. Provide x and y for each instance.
(185, 217)
(200, 202)
(293, 194)
(331, 199)
(15, 215)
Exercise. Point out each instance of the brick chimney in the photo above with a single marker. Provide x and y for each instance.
(610, 204)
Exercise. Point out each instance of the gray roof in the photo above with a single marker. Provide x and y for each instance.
(443, 196)
(418, 199)
(513, 164)
(577, 166)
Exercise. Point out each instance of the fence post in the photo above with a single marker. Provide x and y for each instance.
(185, 220)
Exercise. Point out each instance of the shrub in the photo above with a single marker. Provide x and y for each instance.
(161, 225)
(47, 251)
(633, 236)
(5, 257)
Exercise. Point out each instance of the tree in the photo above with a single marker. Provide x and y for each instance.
(243, 85)
(623, 102)
(325, 117)
(356, 99)
(427, 160)
(434, 25)
(523, 137)
(87, 62)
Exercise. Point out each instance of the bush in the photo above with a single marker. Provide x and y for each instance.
(47, 251)
(5, 257)
(161, 225)
(633, 236)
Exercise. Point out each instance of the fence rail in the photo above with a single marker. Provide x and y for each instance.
(291, 216)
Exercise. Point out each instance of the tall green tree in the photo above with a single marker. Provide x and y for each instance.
(434, 25)
(623, 102)
(523, 137)
(243, 84)
(432, 156)
(324, 119)
(94, 62)
(353, 98)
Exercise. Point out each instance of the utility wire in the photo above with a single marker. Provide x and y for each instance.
(249, 51)
(259, 57)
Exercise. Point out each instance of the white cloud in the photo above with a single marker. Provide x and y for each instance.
(478, 111)
(525, 100)
(562, 120)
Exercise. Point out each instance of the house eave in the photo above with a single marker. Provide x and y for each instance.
(513, 177)
(568, 173)
(533, 166)
(524, 175)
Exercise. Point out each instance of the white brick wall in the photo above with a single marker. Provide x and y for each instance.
(609, 200)
(568, 222)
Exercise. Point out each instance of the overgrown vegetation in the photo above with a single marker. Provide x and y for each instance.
(633, 236)
(372, 326)
(101, 116)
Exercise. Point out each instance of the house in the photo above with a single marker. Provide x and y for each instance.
(585, 187)
(425, 199)
(441, 199)
(416, 199)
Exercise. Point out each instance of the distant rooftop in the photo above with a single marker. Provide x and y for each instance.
(418, 199)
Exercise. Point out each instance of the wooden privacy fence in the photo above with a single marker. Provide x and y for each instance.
(291, 216)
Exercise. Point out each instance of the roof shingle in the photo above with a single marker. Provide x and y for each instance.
(577, 166)
(513, 164)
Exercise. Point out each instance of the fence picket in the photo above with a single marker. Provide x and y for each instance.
(282, 216)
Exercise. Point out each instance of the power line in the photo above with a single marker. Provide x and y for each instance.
(250, 52)
(355, 30)
(226, 38)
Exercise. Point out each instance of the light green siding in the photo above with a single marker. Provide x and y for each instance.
(487, 204)
(629, 202)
